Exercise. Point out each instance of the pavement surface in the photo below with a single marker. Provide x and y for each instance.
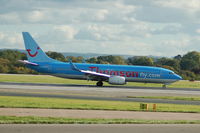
(71, 113)
(84, 128)
(90, 92)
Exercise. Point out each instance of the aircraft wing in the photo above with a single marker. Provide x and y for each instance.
(28, 62)
(95, 73)
(89, 72)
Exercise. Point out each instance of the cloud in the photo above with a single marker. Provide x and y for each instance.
(147, 27)
(168, 29)
(191, 6)
(9, 18)
(101, 14)
(13, 41)
(157, 14)
(98, 32)
(2, 36)
(62, 12)
(35, 16)
(67, 31)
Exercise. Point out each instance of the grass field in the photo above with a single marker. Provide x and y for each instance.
(33, 102)
(50, 79)
(53, 120)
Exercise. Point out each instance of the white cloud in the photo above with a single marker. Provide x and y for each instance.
(191, 5)
(190, 8)
(143, 27)
(1, 36)
(101, 14)
(174, 47)
(198, 31)
(9, 18)
(125, 8)
(35, 16)
(99, 32)
(13, 40)
(68, 31)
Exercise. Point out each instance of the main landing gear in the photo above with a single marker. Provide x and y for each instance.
(99, 83)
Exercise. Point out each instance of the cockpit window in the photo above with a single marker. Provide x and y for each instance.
(171, 72)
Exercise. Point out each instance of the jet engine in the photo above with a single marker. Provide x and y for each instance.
(117, 80)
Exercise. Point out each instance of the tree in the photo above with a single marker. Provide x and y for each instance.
(178, 57)
(140, 60)
(169, 67)
(12, 55)
(168, 62)
(9, 62)
(188, 75)
(4, 68)
(110, 59)
(92, 60)
(56, 56)
(191, 62)
(75, 59)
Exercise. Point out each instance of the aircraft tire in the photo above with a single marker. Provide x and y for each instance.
(99, 83)
(164, 86)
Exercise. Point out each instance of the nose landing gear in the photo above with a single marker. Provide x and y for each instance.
(99, 83)
(164, 86)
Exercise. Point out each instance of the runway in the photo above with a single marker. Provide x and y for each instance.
(90, 92)
(99, 128)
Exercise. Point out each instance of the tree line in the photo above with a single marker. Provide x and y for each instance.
(188, 65)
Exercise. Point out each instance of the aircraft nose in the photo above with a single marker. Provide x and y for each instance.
(178, 77)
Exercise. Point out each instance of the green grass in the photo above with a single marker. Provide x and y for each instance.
(191, 98)
(50, 79)
(53, 120)
(39, 79)
(58, 103)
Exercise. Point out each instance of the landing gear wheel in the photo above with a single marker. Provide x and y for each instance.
(164, 86)
(99, 83)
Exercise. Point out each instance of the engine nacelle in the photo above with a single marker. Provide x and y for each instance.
(117, 80)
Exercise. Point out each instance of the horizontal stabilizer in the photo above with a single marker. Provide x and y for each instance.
(28, 62)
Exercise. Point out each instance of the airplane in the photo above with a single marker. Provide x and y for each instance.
(113, 74)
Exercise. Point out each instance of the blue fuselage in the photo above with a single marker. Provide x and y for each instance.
(131, 73)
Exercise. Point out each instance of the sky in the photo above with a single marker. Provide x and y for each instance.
(130, 27)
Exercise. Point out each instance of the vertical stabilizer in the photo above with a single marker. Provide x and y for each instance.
(34, 52)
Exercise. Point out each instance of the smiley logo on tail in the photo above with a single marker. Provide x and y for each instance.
(32, 55)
